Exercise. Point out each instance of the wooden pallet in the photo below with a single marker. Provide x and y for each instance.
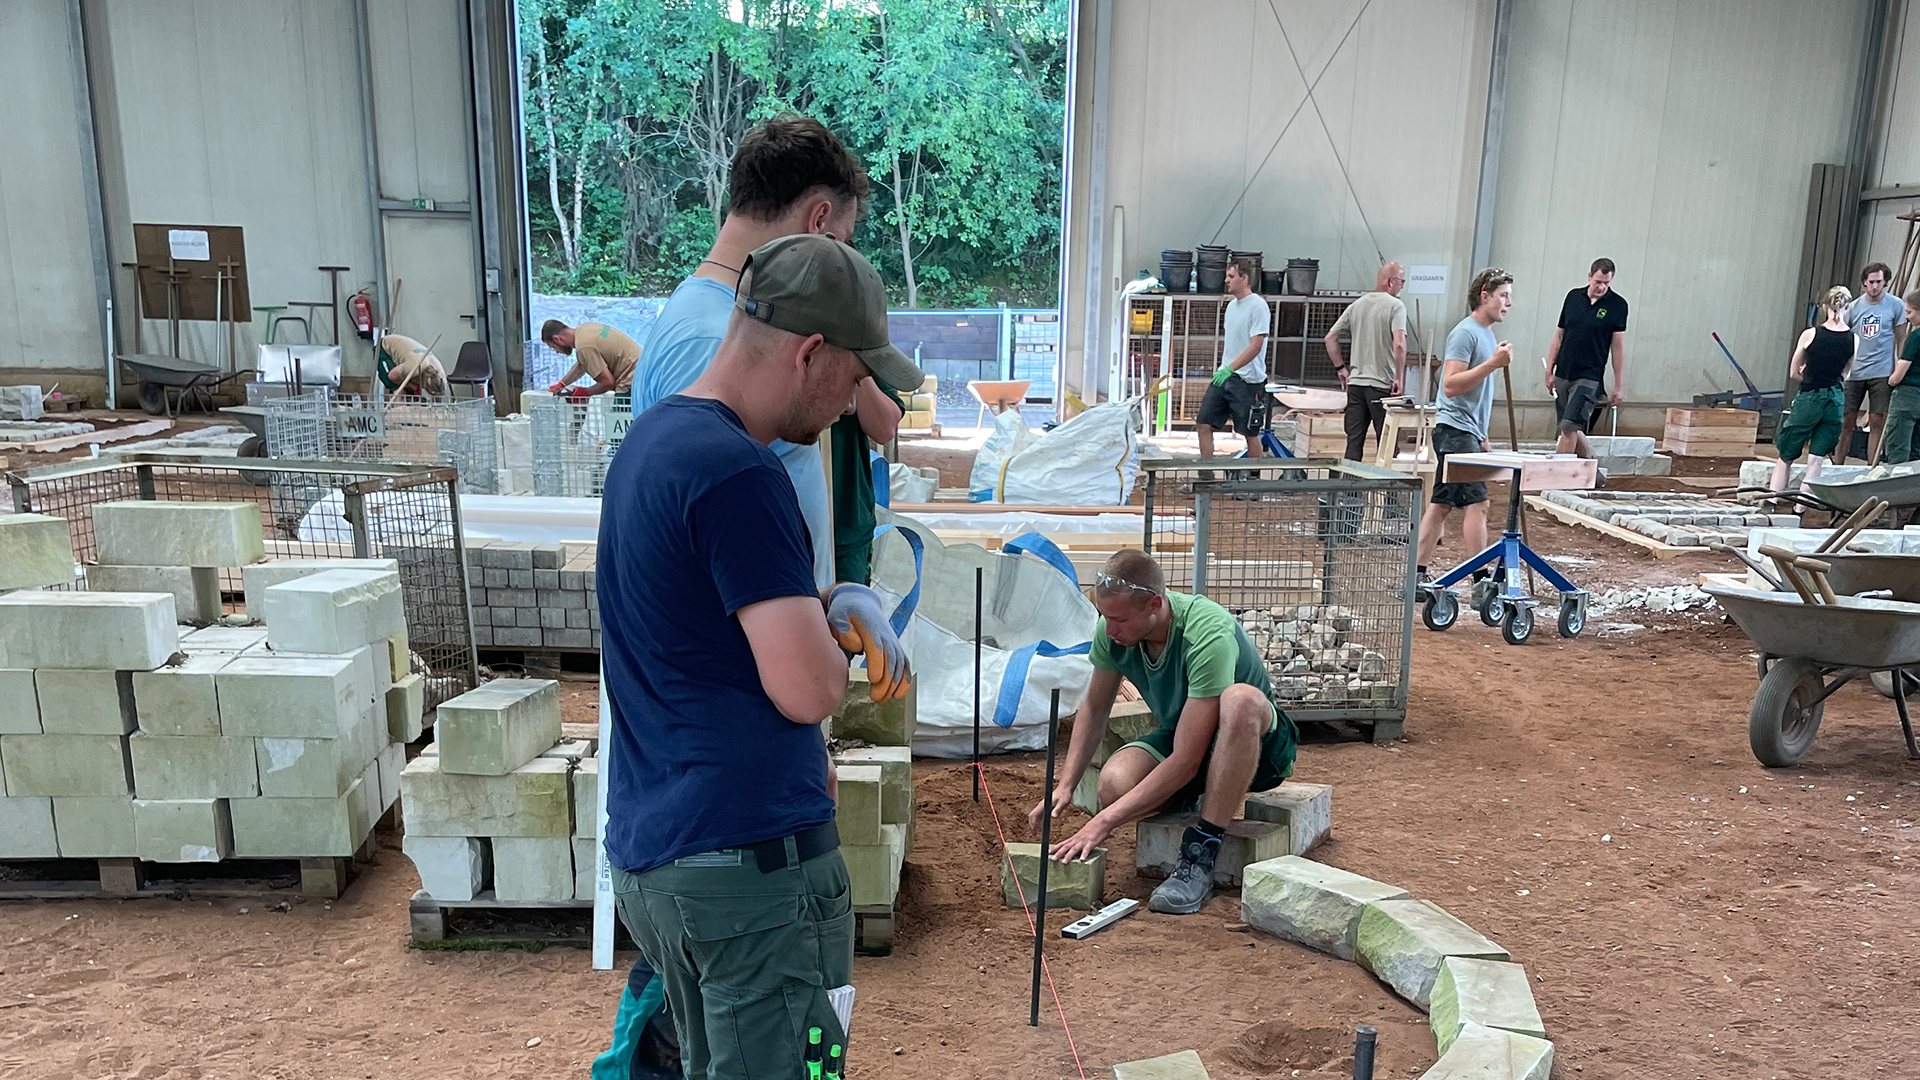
(565, 662)
(323, 878)
(487, 922)
(873, 927)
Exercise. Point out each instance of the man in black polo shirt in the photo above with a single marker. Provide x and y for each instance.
(1593, 328)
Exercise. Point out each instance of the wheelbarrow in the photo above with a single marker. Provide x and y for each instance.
(168, 384)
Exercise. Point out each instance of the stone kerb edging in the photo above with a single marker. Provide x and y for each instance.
(1479, 1003)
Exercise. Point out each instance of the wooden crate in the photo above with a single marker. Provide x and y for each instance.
(1711, 432)
(1319, 434)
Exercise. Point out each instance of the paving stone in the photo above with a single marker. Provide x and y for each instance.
(313, 768)
(87, 630)
(74, 702)
(520, 579)
(1485, 992)
(548, 557)
(1184, 1065)
(65, 765)
(1403, 942)
(406, 703)
(182, 830)
(302, 828)
(567, 639)
(857, 814)
(886, 723)
(1157, 846)
(26, 828)
(586, 852)
(180, 699)
(231, 640)
(193, 767)
(94, 828)
(139, 532)
(518, 637)
(196, 592)
(499, 726)
(335, 611)
(1081, 884)
(586, 798)
(1305, 809)
(1314, 904)
(529, 801)
(292, 697)
(1484, 1053)
(874, 869)
(22, 714)
(450, 867)
(529, 869)
(35, 550)
(896, 777)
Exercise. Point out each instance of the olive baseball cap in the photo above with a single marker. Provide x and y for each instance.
(812, 284)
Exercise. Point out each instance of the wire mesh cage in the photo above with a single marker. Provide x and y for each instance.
(316, 426)
(574, 442)
(308, 509)
(1316, 560)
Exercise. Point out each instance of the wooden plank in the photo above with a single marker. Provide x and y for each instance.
(109, 435)
(1606, 528)
(1537, 472)
(1717, 418)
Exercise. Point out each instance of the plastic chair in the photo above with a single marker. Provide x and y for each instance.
(473, 367)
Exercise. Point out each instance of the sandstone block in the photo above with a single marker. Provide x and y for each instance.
(586, 798)
(1483, 1053)
(1184, 1065)
(886, 723)
(35, 550)
(1080, 884)
(75, 702)
(310, 768)
(1314, 904)
(302, 828)
(65, 765)
(139, 532)
(336, 611)
(1157, 846)
(167, 767)
(26, 828)
(21, 714)
(392, 761)
(406, 706)
(450, 867)
(87, 630)
(1305, 809)
(196, 592)
(399, 655)
(586, 851)
(572, 749)
(1484, 992)
(291, 697)
(182, 831)
(874, 869)
(896, 778)
(533, 868)
(1086, 793)
(857, 815)
(529, 801)
(1403, 942)
(260, 577)
(180, 699)
(224, 639)
(95, 828)
(498, 727)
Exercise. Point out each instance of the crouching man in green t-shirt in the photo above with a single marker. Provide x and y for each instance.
(1220, 734)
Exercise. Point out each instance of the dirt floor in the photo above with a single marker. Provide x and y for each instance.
(1591, 805)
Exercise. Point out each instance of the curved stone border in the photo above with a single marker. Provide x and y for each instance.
(1480, 1004)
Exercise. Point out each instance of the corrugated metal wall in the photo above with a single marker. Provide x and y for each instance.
(1896, 154)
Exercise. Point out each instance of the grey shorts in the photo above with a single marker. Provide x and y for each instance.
(1576, 402)
(1451, 440)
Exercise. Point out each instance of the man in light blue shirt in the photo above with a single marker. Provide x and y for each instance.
(1879, 323)
(1465, 409)
(789, 176)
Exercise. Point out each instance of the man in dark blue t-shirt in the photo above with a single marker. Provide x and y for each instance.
(721, 659)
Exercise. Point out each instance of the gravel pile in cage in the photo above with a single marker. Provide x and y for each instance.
(1313, 654)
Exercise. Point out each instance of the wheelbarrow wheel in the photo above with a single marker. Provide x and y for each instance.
(254, 447)
(1516, 624)
(153, 399)
(1441, 610)
(1786, 712)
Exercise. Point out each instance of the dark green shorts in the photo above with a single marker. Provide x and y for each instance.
(1812, 424)
(1276, 759)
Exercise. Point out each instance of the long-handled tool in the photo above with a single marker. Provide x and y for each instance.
(1513, 442)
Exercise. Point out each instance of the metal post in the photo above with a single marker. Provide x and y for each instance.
(979, 594)
(143, 476)
(353, 507)
(1046, 855)
(466, 594)
(1202, 523)
(1490, 138)
(1364, 1038)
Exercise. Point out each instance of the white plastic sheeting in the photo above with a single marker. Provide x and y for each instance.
(1091, 460)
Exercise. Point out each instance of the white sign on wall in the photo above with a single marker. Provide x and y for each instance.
(188, 245)
(1427, 279)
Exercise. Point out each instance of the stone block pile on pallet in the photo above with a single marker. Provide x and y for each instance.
(1680, 518)
(533, 596)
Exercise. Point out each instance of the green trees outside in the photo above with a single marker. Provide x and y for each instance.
(633, 109)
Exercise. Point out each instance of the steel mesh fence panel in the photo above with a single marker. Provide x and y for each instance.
(1315, 559)
(308, 509)
(459, 434)
(574, 442)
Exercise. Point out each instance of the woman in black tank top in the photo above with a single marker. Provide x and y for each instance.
(1820, 360)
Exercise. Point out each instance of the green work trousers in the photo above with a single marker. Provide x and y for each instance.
(747, 957)
(1897, 444)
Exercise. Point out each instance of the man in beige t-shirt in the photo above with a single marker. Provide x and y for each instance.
(1377, 326)
(598, 350)
(405, 365)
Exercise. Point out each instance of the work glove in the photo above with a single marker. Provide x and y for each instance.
(860, 626)
(557, 389)
(1220, 377)
(578, 394)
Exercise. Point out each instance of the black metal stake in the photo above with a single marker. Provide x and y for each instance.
(1363, 1043)
(979, 591)
(1046, 854)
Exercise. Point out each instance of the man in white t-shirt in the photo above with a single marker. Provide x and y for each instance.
(1239, 392)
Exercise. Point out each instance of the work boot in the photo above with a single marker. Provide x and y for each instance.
(1192, 879)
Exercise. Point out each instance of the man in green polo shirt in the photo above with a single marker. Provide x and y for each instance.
(1221, 735)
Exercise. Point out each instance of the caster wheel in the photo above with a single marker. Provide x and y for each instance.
(1516, 625)
(1492, 608)
(1440, 611)
(1786, 712)
(1573, 619)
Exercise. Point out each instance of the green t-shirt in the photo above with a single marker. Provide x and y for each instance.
(1207, 651)
(853, 516)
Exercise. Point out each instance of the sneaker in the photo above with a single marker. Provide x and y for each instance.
(1192, 879)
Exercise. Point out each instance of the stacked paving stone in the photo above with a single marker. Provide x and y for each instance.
(533, 596)
(1314, 654)
(1759, 473)
(1480, 1006)
(1683, 519)
(502, 805)
(875, 813)
(122, 738)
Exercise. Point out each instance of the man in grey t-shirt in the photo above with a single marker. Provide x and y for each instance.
(1376, 325)
(1879, 328)
(1465, 409)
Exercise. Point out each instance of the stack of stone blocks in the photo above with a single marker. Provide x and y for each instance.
(533, 596)
(873, 765)
(502, 805)
(1680, 518)
(126, 735)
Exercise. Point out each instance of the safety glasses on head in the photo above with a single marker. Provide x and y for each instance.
(1108, 583)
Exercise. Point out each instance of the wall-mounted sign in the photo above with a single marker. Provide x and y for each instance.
(189, 245)
(1427, 279)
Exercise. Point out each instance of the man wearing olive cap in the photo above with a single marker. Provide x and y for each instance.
(721, 658)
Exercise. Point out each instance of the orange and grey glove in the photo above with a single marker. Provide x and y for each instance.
(859, 624)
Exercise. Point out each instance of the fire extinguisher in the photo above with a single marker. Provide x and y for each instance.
(360, 306)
